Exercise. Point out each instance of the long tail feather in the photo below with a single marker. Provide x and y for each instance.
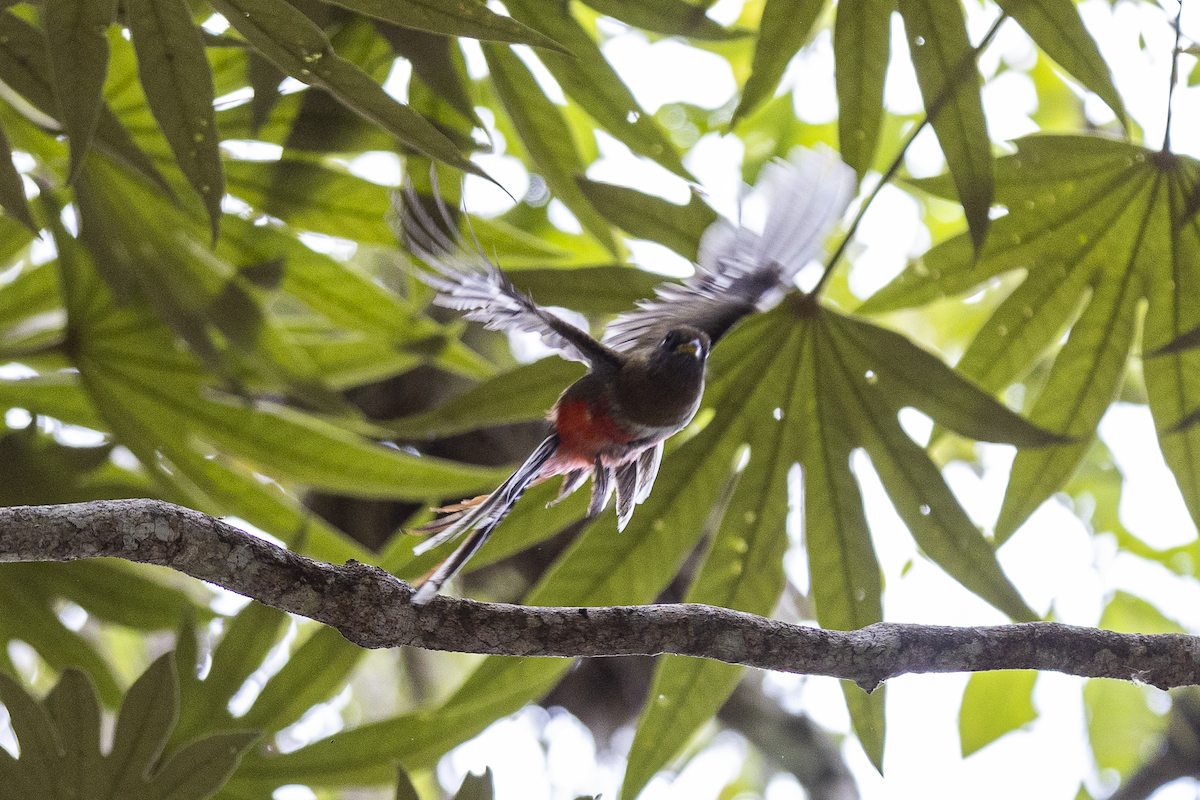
(627, 480)
(571, 481)
(482, 519)
(433, 584)
(648, 463)
(602, 488)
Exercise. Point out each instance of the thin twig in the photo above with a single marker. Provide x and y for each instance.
(931, 114)
(1166, 148)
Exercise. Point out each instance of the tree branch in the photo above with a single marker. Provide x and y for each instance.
(371, 608)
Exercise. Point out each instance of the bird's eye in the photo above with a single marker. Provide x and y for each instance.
(669, 340)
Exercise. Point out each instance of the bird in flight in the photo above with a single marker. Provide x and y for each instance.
(645, 376)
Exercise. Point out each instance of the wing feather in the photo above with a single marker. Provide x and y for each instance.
(468, 282)
(740, 271)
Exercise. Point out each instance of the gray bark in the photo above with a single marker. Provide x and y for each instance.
(371, 608)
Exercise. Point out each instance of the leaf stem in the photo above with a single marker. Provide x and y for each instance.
(1166, 148)
(931, 114)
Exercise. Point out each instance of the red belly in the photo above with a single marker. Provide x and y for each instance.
(586, 430)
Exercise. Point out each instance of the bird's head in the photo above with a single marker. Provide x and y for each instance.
(683, 346)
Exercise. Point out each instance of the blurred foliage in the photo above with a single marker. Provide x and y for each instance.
(201, 300)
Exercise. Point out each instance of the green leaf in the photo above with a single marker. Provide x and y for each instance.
(806, 363)
(950, 85)
(476, 787)
(156, 398)
(438, 62)
(916, 377)
(30, 617)
(846, 584)
(1083, 382)
(546, 135)
(995, 703)
(316, 671)
(470, 19)
(668, 17)
(914, 483)
(14, 239)
(76, 714)
(861, 48)
(37, 770)
(524, 393)
(314, 197)
(404, 785)
(1120, 720)
(25, 67)
(264, 79)
(12, 188)
(248, 638)
(1097, 225)
(57, 395)
(110, 590)
(78, 56)
(179, 88)
(601, 568)
(298, 47)
(867, 714)
(60, 750)
(588, 79)
(784, 28)
(646, 217)
(35, 470)
(589, 290)
(199, 768)
(1056, 27)
(1120, 723)
(147, 716)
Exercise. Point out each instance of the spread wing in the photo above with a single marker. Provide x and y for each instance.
(740, 271)
(467, 281)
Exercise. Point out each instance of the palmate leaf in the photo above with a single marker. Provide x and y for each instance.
(61, 757)
(950, 85)
(838, 384)
(149, 251)
(1097, 225)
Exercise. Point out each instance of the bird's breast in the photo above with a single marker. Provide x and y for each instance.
(586, 428)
